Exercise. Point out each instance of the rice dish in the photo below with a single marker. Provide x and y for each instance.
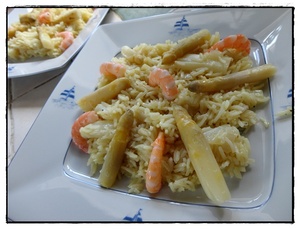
(34, 36)
(223, 116)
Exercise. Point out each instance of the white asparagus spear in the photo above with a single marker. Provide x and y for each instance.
(109, 91)
(185, 46)
(117, 147)
(202, 158)
(232, 80)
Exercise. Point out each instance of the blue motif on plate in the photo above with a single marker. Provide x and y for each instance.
(183, 23)
(66, 98)
(288, 101)
(289, 97)
(136, 218)
(11, 68)
(290, 93)
(182, 29)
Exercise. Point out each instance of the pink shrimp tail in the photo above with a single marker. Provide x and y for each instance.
(165, 81)
(83, 120)
(239, 42)
(154, 171)
(112, 70)
(44, 17)
(68, 39)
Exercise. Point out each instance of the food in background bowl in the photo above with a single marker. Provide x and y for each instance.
(45, 32)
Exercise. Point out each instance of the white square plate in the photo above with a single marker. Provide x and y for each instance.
(48, 178)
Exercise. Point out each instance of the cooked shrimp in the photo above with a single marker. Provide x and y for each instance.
(239, 42)
(45, 17)
(83, 120)
(68, 39)
(154, 171)
(112, 70)
(165, 81)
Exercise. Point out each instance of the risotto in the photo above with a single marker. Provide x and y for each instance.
(223, 116)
